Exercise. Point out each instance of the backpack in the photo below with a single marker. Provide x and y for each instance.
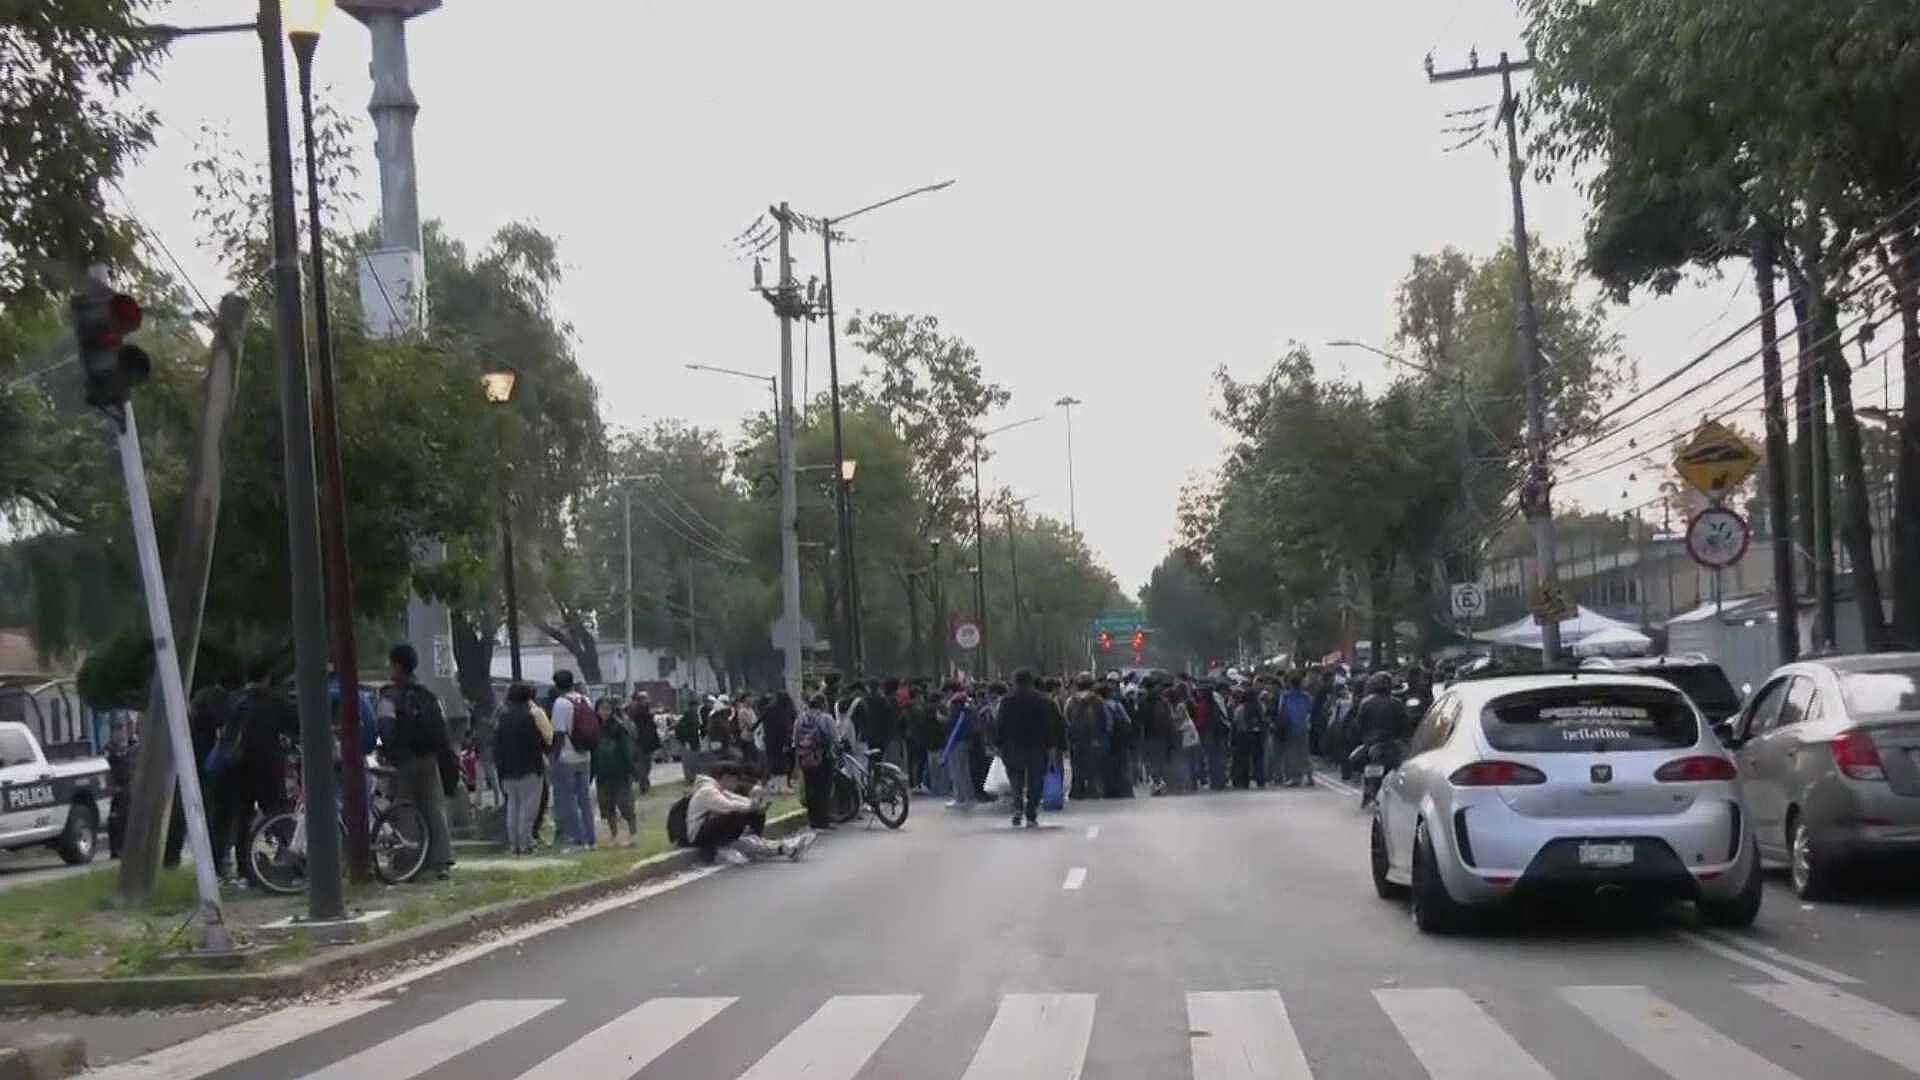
(585, 733)
(677, 822)
(1085, 714)
(806, 741)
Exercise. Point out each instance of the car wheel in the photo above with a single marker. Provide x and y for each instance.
(1434, 909)
(1383, 888)
(1739, 910)
(1812, 871)
(76, 842)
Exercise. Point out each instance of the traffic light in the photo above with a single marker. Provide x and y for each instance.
(1106, 641)
(113, 366)
(1139, 642)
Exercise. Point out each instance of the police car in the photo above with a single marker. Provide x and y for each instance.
(59, 804)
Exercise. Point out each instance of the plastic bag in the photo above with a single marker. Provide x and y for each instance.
(997, 782)
(1053, 793)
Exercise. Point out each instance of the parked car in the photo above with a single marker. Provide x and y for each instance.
(1698, 677)
(1585, 784)
(1829, 754)
(58, 804)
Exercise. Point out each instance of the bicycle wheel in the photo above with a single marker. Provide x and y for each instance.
(399, 843)
(890, 801)
(271, 862)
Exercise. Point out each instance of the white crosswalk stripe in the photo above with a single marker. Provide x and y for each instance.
(1035, 1037)
(1232, 1035)
(229, 1046)
(437, 1042)
(624, 1045)
(1671, 1039)
(1243, 1035)
(1454, 1038)
(836, 1041)
(1869, 1025)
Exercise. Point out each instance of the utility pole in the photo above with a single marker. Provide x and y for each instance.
(626, 658)
(843, 519)
(1779, 455)
(693, 633)
(326, 900)
(788, 306)
(1013, 568)
(979, 566)
(1073, 501)
(1536, 492)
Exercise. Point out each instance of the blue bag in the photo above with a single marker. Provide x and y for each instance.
(1053, 791)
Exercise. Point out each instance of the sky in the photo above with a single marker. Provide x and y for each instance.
(1144, 193)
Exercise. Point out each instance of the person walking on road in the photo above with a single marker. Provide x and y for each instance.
(957, 757)
(616, 766)
(1296, 720)
(520, 755)
(571, 768)
(1120, 743)
(413, 733)
(1086, 738)
(1029, 744)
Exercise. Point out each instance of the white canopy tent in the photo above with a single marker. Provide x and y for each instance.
(1614, 641)
(1524, 633)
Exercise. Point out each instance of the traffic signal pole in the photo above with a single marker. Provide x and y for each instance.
(1536, 491)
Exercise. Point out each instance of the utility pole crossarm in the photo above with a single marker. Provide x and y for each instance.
(1479, 71)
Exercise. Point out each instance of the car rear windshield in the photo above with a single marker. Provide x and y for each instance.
(1706, 684)
(1892, 689)
(1585, 719)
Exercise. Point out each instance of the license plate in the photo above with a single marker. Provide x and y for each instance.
(1374, 772)
(1606, 854)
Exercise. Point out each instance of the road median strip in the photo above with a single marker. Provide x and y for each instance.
(424, 922)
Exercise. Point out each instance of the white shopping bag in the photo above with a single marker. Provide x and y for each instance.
(997, 781)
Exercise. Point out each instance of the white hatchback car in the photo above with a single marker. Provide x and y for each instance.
(1580, 784)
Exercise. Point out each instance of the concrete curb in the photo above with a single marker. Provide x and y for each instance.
(340, 962)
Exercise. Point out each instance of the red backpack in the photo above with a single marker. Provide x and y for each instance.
(585, 733)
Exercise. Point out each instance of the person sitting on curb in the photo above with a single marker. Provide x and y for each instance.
(720, 813)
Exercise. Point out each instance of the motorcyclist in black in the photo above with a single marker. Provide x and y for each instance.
(1381, 721)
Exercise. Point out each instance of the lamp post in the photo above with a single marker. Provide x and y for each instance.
(1073, 500)
(980, 541)
(499, 385)
(304, 19)
(848, 581)
(790, 617)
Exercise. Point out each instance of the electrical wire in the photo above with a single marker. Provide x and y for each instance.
(690, 540)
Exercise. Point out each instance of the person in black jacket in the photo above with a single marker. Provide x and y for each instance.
(776, 723)
(646, 734)
(1030, 743)
(520, 753)
(1380, 716)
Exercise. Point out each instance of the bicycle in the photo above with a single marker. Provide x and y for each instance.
(881, 785)
(277, 844)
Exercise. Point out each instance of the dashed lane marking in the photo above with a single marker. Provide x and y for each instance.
(1076, 877)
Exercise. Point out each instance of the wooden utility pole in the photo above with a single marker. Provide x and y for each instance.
(1779, 454)
(1536, 491)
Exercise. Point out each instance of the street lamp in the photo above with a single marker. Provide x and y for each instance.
(1067, 403)
(304, 19)
(849, 582)
(790, 617)
(980, 542)
(498, 385)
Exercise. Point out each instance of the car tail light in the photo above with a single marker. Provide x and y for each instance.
(1496, 774)
(1689, 770)
(1857, 757)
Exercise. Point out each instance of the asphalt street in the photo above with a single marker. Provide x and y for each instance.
(1212, 936)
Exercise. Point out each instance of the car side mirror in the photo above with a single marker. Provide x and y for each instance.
(1724, 729)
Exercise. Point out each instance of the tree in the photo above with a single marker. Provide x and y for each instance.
(1185, 611)
(66, 132)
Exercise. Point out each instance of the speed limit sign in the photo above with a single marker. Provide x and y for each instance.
(966, 635)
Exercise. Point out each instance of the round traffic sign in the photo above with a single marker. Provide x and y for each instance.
(966, 635)
(1717, 537)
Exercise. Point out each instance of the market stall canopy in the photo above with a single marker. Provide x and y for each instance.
(1524, 633)
(1613, 641)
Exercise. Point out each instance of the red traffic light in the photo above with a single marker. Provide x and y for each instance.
(1139, 640)
(1106, 641)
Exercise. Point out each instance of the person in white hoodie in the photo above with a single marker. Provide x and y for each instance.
(720, 816)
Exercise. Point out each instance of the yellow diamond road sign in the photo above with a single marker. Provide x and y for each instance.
(1716, 460)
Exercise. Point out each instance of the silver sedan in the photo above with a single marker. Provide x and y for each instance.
(1589, 784)
(1829, 754)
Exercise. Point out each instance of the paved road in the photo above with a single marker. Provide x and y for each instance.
(31, 866)
(1230, 936)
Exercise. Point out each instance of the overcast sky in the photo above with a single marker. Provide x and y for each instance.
(1145, 192)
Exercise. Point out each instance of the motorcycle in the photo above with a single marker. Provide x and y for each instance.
(880, 785)
(1375, 760)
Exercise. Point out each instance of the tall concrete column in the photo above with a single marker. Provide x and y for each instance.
(393, 277)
